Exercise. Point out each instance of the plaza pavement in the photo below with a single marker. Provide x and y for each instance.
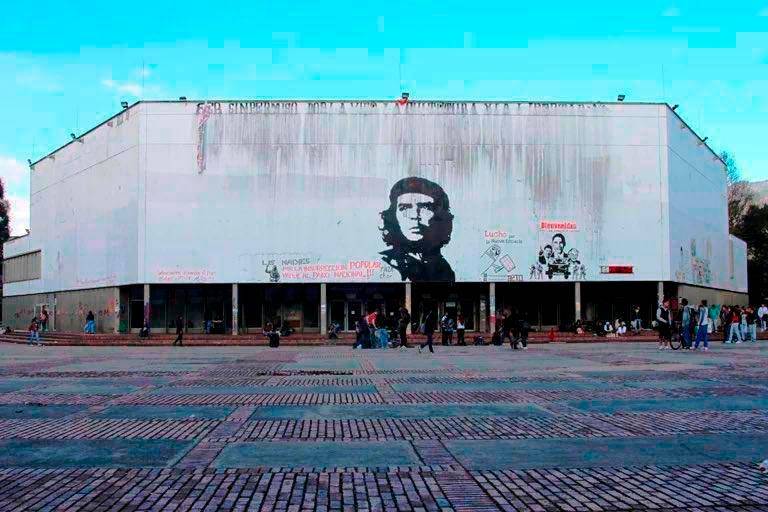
(557, 427)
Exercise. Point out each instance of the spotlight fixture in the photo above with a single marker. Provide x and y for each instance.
(182, 98)
(705, 139)
(29, 161)
(73, 136)
(621, 97)
(124, 104)
(675, 107)
(405, 96)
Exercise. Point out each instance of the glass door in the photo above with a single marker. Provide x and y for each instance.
(354, 313)
(338, 314)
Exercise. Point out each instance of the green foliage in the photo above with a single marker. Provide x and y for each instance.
(753, 229)
(5, 232)
(740, 195)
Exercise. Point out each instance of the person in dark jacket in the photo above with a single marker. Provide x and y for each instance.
(402, 327)
(363, 333)
(429, 330)
(179, 331)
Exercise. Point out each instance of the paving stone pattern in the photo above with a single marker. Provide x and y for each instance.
(555, 428)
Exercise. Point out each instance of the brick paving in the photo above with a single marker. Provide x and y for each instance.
(156, 428)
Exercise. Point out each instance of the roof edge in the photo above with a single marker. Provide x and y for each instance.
(347, 100)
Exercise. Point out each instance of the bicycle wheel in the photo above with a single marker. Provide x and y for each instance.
(675, 341)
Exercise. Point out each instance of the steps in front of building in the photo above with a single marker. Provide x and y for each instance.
(251, 339)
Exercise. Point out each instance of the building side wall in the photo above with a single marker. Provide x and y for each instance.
(702, 252)
(293, 192)
(84, 212)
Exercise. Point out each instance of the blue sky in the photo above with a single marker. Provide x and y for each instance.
(67, 65)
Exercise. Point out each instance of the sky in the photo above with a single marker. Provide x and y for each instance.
(66, 66)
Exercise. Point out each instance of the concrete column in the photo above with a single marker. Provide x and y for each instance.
(323, 309)
(147, 311)
(116, 312)
(577, 300)
(492, 306)
(235, 308)
(482, 314)
(408, 303)
(660, 292)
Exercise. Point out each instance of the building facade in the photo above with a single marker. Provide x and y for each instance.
(309, 212)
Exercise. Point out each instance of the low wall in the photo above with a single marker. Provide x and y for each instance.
(68, 309)
(695, 294)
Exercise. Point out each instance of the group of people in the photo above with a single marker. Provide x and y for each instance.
(695, 323)
(513, 326)
(39, 324)
(372, 330)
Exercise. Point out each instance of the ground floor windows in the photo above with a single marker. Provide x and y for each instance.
(208, 308)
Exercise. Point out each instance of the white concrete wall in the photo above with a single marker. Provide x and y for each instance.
(306, 182)
(700, 252)
(181, 192)
(84, 210)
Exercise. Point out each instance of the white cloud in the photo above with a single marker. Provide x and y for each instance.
(19, 214)
(130, 88)
(671, 12)
(14, 173)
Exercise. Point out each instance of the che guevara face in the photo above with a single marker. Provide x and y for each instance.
(414, 212)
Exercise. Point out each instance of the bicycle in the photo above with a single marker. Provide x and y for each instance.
(677, 339)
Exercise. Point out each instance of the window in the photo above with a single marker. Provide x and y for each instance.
(22, 268)
(730, 259)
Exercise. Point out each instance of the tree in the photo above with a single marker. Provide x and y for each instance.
(5, 232)
(740, 195)
(754, 231)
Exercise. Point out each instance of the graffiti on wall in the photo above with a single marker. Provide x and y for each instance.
(692, 266)
(415, 227)
(185, 276)
(555, 260)
(497, 263)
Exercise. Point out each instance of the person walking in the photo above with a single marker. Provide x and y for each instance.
(751, 324)
(743, 324)
(702, 332)
(44, 319)
(686, 323)
(735, 330)
(362, 332)
(34, 332)
(507, 325)
(402, 327)
(725, 321)
(637, 322)
(524, 329)
(179, 331)
(446, 327)
(460, 330)
(429, 330)
(664, 320)
(714, 317)
(762, 315)
(90, 323)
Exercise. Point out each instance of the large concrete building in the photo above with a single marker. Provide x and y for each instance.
(308, 212)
